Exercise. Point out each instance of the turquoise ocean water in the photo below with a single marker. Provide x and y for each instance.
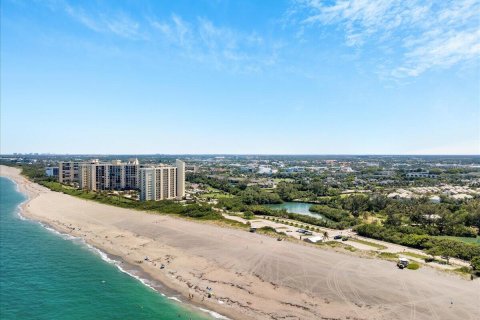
(44, 275)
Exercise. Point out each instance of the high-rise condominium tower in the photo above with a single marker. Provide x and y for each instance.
(162, 182)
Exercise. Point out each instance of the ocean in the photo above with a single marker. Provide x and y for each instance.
(46, 275)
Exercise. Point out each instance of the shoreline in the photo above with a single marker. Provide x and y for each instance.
(136, 273)
(117, 261)
(32, 190)
(254, 277)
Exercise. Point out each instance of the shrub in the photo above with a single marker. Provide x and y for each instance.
(413, 266)
(463, 270)
(248, 215)
(337, 215)
(267, 230)
(435, 246)
(475, 263)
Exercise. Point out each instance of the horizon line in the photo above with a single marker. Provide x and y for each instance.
(232, 154)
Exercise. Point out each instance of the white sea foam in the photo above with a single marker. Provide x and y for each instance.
(19, 206)
(174, 298)
(214, 314)
(64, 236)
(145, 282)
(18, 211)
(19, 214)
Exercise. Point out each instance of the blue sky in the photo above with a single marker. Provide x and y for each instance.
(269, 77)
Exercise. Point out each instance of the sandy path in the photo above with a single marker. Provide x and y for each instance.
(254, 276)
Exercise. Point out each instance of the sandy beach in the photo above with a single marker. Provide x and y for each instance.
(252, 276)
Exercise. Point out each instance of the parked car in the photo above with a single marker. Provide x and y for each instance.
(337, 237)
(402, 263)
(345, 238)
(308, 233)
(301, 230)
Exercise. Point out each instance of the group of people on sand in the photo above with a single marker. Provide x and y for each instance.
(190, 295)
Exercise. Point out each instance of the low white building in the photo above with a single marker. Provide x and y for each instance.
(420, 175)
(51, 171)
(314, 239)
(266, 170)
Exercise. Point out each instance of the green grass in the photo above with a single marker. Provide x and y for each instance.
(277, 180)
(388, 255)
(216, 195)
(415, 255)
(269, 231)
(231, 223)
(368, 243)
(463, 239)
(212, 189)
(336, 244)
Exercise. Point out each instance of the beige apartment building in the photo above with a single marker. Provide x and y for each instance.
(154, 183)
(115, 175)
(68, 171)
(162, 182)
(180, 179)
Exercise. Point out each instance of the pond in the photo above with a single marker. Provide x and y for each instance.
(296, 207)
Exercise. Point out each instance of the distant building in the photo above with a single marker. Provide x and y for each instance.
(266, 170)
(51, 172)
(420, 175)
(248, 168)
(191, 168)
(162, 182)
(346, 169)
(294, 169)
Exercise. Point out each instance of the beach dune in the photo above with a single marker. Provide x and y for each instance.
(249, 276)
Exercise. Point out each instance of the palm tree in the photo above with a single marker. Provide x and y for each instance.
(325, 235)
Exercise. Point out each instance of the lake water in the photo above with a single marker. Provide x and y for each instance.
(296, 207)
(45, 275)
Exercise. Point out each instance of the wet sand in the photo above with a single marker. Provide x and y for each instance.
(252, 276)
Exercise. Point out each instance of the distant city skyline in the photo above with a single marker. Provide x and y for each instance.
(240, 77)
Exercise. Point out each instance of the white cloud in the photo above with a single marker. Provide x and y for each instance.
(224, 47)
(119, 24)
(423, 34)
(175, 31)
(198, 39)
